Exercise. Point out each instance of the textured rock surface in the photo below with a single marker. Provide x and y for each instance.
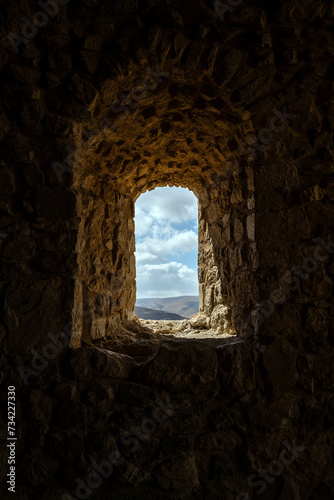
(179, 418)
(105, 101)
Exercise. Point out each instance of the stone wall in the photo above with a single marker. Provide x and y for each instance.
(100, 102)
(177, 419)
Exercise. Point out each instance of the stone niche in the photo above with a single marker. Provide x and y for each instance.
(162, 147)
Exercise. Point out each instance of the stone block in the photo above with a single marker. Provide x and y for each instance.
(185, 368)
(250, 225)
(279, 361)
(237, 368)
(101, 395)
(84, 91)
(89, 362)
(25, 74)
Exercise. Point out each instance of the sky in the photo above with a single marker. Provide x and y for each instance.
(166, 229)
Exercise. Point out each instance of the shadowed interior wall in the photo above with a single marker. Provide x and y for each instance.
(105, 101)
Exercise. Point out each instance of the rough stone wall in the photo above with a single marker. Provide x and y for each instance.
(109, 180)
(114, 123)
(240, 110)
(180, 419)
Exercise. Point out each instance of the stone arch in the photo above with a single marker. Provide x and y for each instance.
(181, 134)
(226, 78)
(180, 98)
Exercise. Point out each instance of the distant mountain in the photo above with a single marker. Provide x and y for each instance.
(145, 313)
(184, 306)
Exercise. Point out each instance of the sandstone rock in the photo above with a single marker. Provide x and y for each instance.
(199, 320)
(221, 319)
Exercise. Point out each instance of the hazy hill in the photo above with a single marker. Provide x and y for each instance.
(145, 313)
(184, 306)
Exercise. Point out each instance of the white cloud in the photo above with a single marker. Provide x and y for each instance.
(143, 222)
(174, 243)
(174, 204)
(171, 279)
(147, 258)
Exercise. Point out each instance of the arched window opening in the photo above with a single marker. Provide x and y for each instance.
(187, 246)
(166, 229)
